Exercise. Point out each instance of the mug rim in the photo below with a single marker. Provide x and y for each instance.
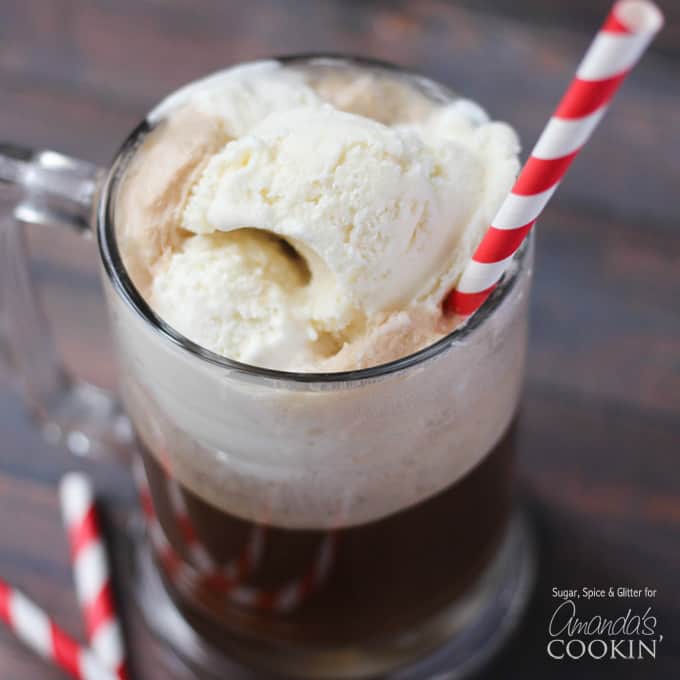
(125, 288)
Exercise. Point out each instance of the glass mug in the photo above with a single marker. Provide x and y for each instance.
(337, 525)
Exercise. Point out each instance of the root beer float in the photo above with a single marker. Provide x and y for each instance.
(305, 221)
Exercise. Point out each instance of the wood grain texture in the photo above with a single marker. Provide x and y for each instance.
(580, 15)
(600, 427)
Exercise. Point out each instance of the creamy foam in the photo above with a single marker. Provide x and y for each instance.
(326, 454)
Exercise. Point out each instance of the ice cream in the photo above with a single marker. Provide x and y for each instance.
(287, 218)
(311, 216)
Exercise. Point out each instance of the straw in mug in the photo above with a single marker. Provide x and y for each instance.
(38, 632)
(91, 572)
(618, 46)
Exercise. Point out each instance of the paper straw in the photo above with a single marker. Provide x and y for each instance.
(624, 36)
(91, 572)
(39, 633)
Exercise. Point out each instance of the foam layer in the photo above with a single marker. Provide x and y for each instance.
(323, 455)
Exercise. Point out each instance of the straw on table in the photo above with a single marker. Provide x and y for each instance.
(617, 47)
(39, 633)
(91, 572)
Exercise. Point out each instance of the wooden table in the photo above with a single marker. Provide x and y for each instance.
(600, 429)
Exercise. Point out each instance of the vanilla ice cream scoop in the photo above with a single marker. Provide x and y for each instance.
(374, 210)
(242, 288)
(362, 225)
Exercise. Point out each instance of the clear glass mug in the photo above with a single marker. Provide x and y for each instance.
(338, 525)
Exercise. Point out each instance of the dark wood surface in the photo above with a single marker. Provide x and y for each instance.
(600, 428)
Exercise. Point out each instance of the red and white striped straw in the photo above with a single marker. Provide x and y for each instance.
(91, 572)
(618, 46)
(40, 634)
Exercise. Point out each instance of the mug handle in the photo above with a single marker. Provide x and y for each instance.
(52, 190)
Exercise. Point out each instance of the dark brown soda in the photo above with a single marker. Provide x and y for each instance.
(386, 576)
